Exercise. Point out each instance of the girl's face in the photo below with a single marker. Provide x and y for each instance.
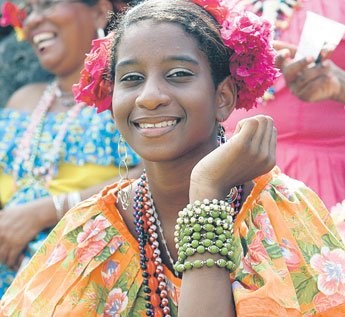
(164, 96)
(60, 32)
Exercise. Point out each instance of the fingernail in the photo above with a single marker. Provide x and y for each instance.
(310, 59)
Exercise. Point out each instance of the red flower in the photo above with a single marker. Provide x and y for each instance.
(14, 16)
(95, 87)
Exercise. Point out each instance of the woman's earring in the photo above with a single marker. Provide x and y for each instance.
(100, 33)
(124, 195)
(221, 138)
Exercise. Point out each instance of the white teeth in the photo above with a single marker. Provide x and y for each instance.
(42, 37)
(45, 44)
(157, 125)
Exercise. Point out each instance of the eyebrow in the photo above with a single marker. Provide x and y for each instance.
(182, 58)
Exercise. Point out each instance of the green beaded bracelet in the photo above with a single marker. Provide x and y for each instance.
(188, 265)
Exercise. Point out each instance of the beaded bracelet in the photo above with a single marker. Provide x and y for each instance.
(205, 226)
(59, 201)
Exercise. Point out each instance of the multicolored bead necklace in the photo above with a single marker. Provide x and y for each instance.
(147, 223)
(28, 148)
(278, 12)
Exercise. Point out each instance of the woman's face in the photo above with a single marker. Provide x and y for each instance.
(164, 96)
(60, 32)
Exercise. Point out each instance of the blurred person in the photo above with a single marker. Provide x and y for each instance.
(53, 152)
(306, 102)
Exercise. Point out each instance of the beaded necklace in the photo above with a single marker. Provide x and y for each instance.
(28, 149)
(146, 222)
(278, 12)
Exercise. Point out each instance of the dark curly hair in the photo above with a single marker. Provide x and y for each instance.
(195, 20)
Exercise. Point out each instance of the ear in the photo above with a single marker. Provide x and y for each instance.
(101, 13)
(226, 98)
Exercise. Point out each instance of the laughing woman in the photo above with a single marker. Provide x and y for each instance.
(207, 236)
(53, 152)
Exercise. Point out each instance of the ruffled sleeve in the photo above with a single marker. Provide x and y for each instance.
(289, 255)
(88, 266)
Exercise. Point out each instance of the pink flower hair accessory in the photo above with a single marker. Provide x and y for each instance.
(95, 86)
(14, 16)
(252, 59)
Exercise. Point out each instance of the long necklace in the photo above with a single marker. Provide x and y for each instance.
(28, 148)
(147, 223)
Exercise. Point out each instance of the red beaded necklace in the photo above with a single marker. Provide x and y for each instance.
(150, 260)
(146, 221)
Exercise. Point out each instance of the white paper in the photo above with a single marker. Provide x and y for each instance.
(318, 33)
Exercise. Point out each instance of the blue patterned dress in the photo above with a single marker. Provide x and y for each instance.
(90, 146)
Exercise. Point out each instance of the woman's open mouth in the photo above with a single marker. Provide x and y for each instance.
(43, 40)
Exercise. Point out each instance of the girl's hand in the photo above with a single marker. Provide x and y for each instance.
(249, 153)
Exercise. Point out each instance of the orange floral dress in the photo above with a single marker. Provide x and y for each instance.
(290, 260)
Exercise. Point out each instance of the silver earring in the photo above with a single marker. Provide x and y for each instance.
(124, 195)
(100, 33)
(221, 138)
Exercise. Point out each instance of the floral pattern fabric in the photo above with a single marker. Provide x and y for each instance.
(90, 138)
(290, 261)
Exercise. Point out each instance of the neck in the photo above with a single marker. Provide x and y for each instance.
(67, 80)
(169, 182)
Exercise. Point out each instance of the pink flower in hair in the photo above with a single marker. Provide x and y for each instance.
(13, 15)
(95, 87)
(252, 58)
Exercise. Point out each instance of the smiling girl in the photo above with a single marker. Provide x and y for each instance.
(207, 235)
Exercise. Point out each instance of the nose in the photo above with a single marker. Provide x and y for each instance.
(152, 94)
(34, 18)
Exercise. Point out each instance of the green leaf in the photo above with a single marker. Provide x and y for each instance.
(70, 257)
(274, 195)
(306, 287)
(122, 282)
(42, 249)
(72, 236)
(110, 233)
(257, 210)
(273, 250)
(244, 246)
(100, 308)
(173, 308)
(52, 238)
(331, 242)
(240, 276)
(101, 293)
(103, 256)
(308, 250)
(123, 249)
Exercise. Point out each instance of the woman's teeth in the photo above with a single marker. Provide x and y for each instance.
(43, 40)
(157, 125)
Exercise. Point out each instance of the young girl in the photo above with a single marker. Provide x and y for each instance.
(179, 68)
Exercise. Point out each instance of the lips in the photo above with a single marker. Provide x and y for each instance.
(44, 40)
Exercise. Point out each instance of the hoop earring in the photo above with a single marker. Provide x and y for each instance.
(123, 195)
(221, 138)
(100, 33)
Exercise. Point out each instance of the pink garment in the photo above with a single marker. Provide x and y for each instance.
(311, 136)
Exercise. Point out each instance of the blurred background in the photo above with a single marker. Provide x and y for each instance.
(18, 64)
